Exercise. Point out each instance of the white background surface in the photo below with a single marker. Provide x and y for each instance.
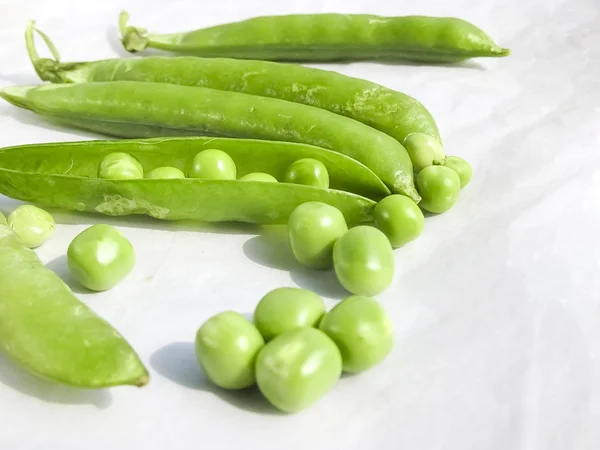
(496, 306)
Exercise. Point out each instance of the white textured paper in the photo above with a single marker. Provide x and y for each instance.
(496, 306)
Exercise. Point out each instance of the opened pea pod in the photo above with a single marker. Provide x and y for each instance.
(65, 175)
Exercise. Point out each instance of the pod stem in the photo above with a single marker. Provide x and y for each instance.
(46, 68)
(133, 39)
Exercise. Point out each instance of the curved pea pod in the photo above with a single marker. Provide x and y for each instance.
(50, 333)
(386, 110)
(326, 37)
(64, 175)
(138, 109)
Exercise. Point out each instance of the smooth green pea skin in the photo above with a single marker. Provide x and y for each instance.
(423, 150)
(461, 167)
(213, 164)
(297, 368)
(100, 257)
(363, 260)
(308, 171)
(362, 330)
(165, 173)
(439, 187)
(2, 219)
(33, 225)
(226, 348)
(286, 309)
(314, 228)
(120, 166)
(400, 219)
(259, 176)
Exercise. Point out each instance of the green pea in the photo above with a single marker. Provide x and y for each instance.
(362, 330)
(213, 164)
(423, 150)
(314, 228)
(461, 167)
(439, 187)
(165, 173)
(308, 171)
(400, 219)
(100, 257)
(120, 166)
(286, 309)
(259, 176)
(364, 261)
(33, 225)
(226, 347)
(2, 219)
(297, 368)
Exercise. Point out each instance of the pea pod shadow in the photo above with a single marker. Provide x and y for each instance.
(271, 248)
(16, 378)
(177, 363)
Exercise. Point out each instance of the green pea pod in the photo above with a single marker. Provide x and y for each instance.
(392, 112)
(326, 37)
(206, 111)
(64, 175)
(45, 329)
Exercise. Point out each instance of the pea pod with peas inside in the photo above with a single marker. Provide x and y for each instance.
(45, 329)
(326, 37)
(137, 109)
(386, 110)
(64, 175)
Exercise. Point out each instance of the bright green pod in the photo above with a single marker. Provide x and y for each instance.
(47, 331)
(326, 37)
(185, 110)
(2, 219)
(226, 347)
(392, 112)
(362, 330)
(285, 309)
(64, 175)
(100, 257)
(297, 368)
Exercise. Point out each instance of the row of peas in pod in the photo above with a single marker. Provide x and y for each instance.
(212, 164)
(294, 350)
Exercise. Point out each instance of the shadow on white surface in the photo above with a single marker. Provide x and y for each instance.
(60, 267)
(20, 78)
(48, 391)
(113, 36)
(272, 249)
(177, 362)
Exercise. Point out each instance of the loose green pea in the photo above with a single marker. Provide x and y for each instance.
(213, 164)
(461, 167)
(286, 309)
(166, 173)
(33, 225)
(259, 176)
(100, 257)
(226, 347)
(362, 330)
(364, 261)
(423, 150)
(297, 368)
(2, 219)
(439, 187)
(120, 166)
(314, 228)
(308, 171)
(400, 219)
